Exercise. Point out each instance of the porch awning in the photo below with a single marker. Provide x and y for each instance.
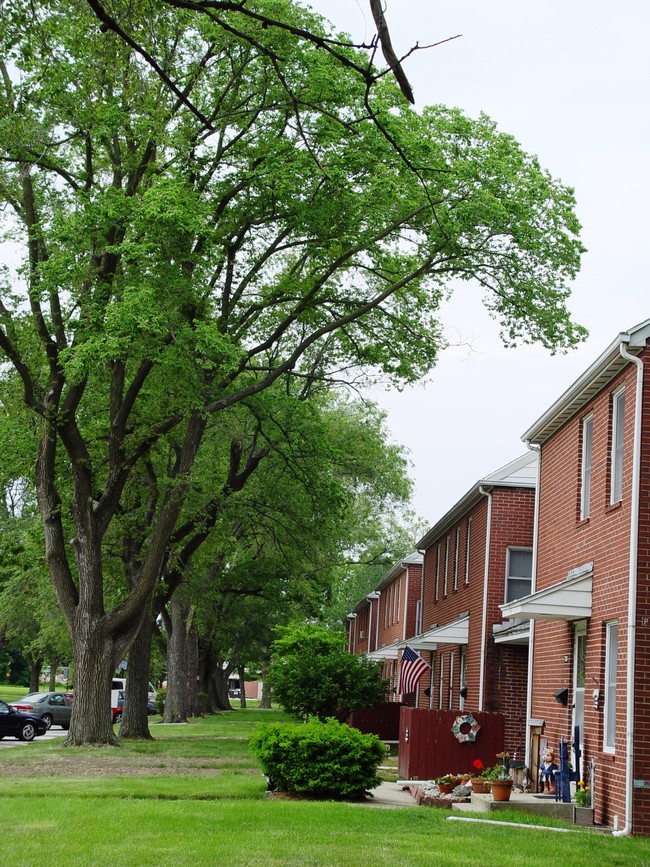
(456, 632)
(389, 651)
(512, 632)
(568, 600)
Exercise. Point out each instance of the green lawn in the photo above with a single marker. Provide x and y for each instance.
(196, 796)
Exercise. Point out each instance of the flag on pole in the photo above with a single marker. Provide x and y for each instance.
(411, 669)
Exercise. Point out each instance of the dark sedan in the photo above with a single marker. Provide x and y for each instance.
(14, 724)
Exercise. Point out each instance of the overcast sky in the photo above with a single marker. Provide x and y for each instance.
(570, 79)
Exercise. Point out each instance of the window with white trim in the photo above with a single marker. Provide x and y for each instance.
(456, 558)
(585, 475)
(519, 573)
(450, 699)
(616, 462)
(446, 584)
(438, 561)
(468, 539)
(441, 687)
(611, 654)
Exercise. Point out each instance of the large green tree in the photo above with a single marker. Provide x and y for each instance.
(270, 215)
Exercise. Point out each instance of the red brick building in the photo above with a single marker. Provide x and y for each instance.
(590, 605)
(387, 615)
(475, 558)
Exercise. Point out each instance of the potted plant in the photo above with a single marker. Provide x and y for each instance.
(583, 812)
(500, 780)
(447, 783)
(479, 781)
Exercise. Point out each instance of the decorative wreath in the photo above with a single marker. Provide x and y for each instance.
(462, 736)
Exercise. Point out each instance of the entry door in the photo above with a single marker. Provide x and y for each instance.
(579, 656)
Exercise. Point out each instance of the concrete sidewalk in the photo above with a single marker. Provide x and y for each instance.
(390, 795)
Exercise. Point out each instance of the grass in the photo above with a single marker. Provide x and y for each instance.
(196, 796)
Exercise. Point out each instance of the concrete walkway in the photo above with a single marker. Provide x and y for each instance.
(390, 795)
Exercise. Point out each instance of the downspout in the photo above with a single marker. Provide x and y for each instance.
(378, 592)
(632, 593)
(533, 589)
(486, 575)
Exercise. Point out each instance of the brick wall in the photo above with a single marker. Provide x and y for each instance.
(566, 542)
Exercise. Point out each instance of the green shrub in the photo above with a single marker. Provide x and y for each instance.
(327, 759)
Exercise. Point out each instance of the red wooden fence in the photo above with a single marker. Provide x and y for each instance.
(428, 748)
(382, 720)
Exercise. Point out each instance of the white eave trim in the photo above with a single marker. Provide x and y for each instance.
(507, 633)
(456, 632)
(387, 652)
(568, 600)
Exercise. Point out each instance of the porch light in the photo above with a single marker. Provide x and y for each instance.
(562, 696)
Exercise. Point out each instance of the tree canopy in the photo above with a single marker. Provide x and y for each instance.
(276, 215)
(312, 674)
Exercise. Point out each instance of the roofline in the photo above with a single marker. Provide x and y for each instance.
(474, 496)
(414, 559)
(608, 364)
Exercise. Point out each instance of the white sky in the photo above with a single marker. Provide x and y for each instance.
(570, 79)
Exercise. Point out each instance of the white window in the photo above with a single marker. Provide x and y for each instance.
(438, 560)
(611, 653)
(519, 574)
(450, 700)
(468, 539)
(585, 483)
(446, 585)
(616, 467)
(441, 686)
(456, 558)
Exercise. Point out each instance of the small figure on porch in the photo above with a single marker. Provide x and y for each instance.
(547, 772)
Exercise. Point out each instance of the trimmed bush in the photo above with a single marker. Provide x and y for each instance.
(325, 759)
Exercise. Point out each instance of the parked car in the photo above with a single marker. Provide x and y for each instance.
(117, 711)
(54, 708)
(16, 724)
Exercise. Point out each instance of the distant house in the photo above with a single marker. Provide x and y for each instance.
(477, 556)
(590, 600)
(387, 615)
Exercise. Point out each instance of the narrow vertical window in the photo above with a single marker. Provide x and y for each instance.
(450, 698)
(446, 585)
(611, 654)
(418, 617)
(462, 675)
(438, 559)
(441, 686)
(468, 540)
(616, 468)
(585, 486)
(456, 558)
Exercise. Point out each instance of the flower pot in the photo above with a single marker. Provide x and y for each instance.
(501, 789)
(447, 788)
(479, 786)
(583, 815)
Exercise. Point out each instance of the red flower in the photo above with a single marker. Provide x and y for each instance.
(478, 764)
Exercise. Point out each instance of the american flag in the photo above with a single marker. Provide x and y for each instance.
(410, 671)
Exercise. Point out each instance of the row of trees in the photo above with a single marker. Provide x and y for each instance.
(220, 209)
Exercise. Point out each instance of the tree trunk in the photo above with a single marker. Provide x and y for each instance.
(220, 678)
(242, 687)
(54, 664)
(194, 706)
(135, 721)
(265, 702)
(94, 658)
(35, 668)
(176, 701)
